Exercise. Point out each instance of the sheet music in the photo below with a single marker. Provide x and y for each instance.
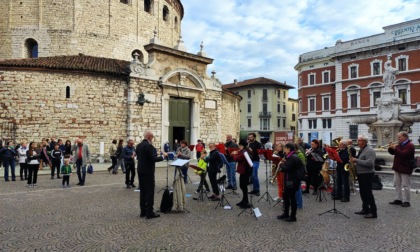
(180, 162)
(257, 212)
(248, 159)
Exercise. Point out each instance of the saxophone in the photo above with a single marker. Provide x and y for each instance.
(351, 167)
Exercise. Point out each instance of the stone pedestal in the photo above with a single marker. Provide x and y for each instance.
(386, 132)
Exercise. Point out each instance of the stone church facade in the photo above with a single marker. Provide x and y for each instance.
(80, 82)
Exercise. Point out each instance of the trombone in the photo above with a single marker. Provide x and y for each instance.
(387, 145)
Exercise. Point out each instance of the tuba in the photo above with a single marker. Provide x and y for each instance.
(350, 167)
(336, 142)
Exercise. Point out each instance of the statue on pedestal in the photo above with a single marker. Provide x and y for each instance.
(389, 73)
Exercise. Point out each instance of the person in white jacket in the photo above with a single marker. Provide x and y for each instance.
(22, 160)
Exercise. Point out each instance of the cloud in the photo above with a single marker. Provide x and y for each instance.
(250, 39)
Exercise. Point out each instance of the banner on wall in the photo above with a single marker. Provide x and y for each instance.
(314, 135)
(326, 137)
(284, 137)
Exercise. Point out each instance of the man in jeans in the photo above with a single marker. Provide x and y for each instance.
(81, 157)
(129, 154)
(254, 145)
(230, 168)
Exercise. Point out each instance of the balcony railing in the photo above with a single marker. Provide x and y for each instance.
(265, 114)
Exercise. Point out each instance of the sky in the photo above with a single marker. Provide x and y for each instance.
(264, 38)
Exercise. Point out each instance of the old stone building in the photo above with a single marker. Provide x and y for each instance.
(65, 72)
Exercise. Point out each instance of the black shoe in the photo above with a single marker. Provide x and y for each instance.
(245, 206)
(239, 203)
(114, 172)
(257, 193)
(396, 202)
(128, 187)
(315, 193)
(142, 215)
(6, 180)
(234, 188)
(283, 216)
(133, 185)
(362, 212)
(58, 176)
(152, 215)
(79, 183)
(290, 219)
(252, 192)
(336, 198)
(109, 169)
(405, 204)
(82, 184)
(345, 200)
(371, 216)
(13, 179)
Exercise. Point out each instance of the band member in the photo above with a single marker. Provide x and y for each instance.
(290, 167)
(184, 152)
(244, 169)
(314, 166)
(279, 176)
(353, 154)
(213, 160)
(302, 145)
(342, 183)
(365, 167)
(147, 157)
(254, 145)
(403, 153)
(230, 167)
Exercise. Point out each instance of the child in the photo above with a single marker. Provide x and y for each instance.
(203, 165)
(66, 172)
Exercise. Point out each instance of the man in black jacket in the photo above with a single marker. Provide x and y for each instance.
(254, 145)
(147, 157)
(213, 161)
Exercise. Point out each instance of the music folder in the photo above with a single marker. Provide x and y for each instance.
(180, 162)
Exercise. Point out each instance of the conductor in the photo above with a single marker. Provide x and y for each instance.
(147, 157)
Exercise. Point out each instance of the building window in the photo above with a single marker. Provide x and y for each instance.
(278, 94)
(300, 81)
(300, 105)
(284, 123)
(376, 67)
(278, 122)
(249, 107)
(326, 103)
(312, 123)
(293, 117)
(353, 97)
(354, 131)
(31, 47)
(376, 95)
(249, 122)
(67, 92)
(293, 107)
(249, 93)
(353, 101)
(402, 94)
(148, 6)
(264, 107)
(353, 72)
(284, 108)
(278, 107)
(326, 123)
(311, 78)
(402, 64)
(165, 13)
(264, 96)
(284, 94)
(264, 124)
(176, 23)
(125, 1)
(311, 104)
(326, 77)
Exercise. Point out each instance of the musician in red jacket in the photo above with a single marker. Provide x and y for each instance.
(245, 172)
(404, 153)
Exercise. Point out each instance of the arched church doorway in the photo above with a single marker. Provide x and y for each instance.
(179, 119)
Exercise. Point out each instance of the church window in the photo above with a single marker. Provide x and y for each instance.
(148, 6)
(67, 92)
(31, 47)
(176, 23)
(165, 13)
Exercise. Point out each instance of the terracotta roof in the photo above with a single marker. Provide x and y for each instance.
(257, 81)
(72, 63)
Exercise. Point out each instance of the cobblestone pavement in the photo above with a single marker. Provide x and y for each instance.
(104, 216)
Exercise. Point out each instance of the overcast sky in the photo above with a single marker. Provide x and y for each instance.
(264, 38)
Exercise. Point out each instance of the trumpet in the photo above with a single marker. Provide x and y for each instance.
(387, 145)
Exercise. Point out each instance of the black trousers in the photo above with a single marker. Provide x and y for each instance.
(66, 178)
(130, 173)
(289, 197)
(33, 173)
(314, 179)
(213, 182)
(342, 185)
(365, 187)
(23, 170)
(147, 193)
(114, 161)
(55, 165)
(243, 184)
(203, 181)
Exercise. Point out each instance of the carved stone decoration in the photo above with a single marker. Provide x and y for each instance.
(386, 132)
(385, 111)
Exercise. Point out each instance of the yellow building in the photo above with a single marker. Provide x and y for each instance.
(265, 107)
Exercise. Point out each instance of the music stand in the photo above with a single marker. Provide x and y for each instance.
(266, 156)
(334, 210)
(167, 174)
(251, 208)
(223, 201)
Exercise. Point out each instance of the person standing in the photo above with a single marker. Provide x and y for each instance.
(129, 154)
(254, 145)
(33, 158)
(199, 147)
(403, 153)
(291, 181)
(56, 156)
(342, 184)
(244, 170)
(202, 173)
(112, 151)
(166, 147)
(66, 172)
(176, 145)
(184, 152)
(22, 160)
(120, 157)
(8, 152)
(231, 166)
(68, 153)
(314, 164)
(45, 151)
(365, 167)
(81, 159)
(279, 177)
(213, 161)
(147, 157)
(303, 147)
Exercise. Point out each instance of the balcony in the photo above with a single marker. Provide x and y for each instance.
(265, 114)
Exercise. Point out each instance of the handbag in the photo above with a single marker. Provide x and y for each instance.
(90, 169)
(413, 163)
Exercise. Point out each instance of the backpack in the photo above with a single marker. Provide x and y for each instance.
(167, 201)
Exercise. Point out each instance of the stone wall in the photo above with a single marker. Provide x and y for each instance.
(230, 122)
(99, 28)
